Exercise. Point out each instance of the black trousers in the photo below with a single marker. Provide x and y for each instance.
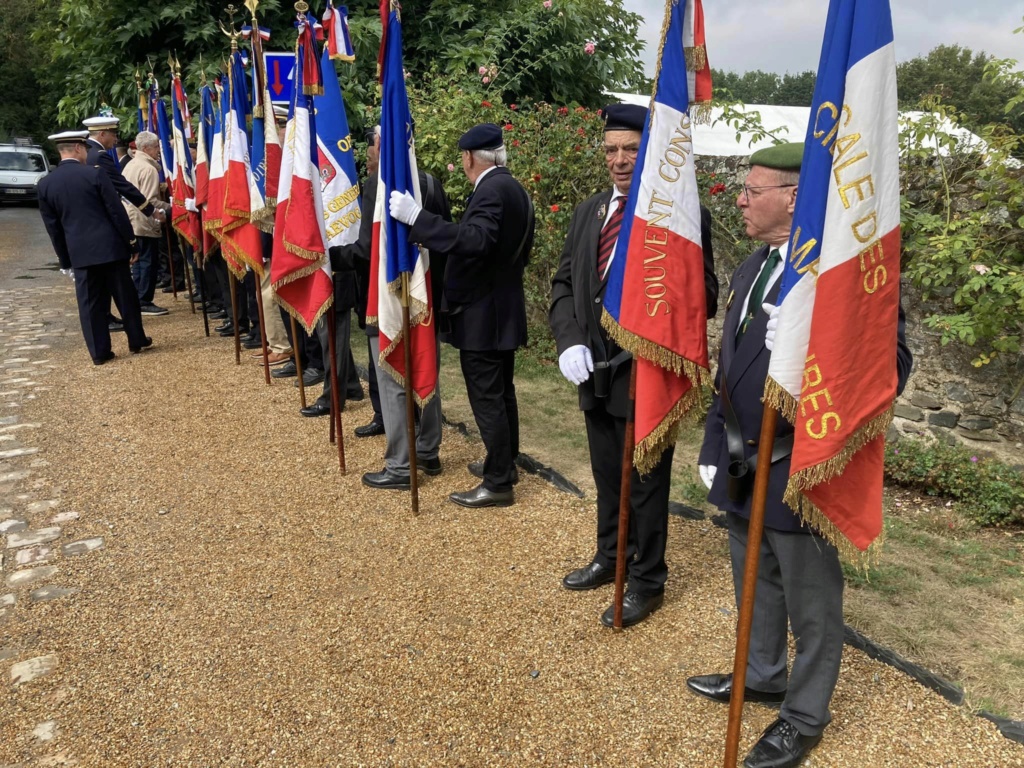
(648, 502)
(94, 287)
(248, 288)
(161, 268)
(224, 278)
(492, 396)
(371, 371)
(348, 379)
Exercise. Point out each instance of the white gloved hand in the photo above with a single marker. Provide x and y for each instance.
(707, 474)
(68, 273)
(576, 364)
(773, 323)
(159, 215)
(190, 205)
(404, 207)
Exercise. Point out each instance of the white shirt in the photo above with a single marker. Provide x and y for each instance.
(772, 279)
(478, 178)
(613, 205)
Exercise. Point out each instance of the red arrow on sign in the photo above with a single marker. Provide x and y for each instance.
(275, 83)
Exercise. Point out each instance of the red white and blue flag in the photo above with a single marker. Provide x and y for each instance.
(833, 366)
(215, 196)
(655, 304)
(265, 158)
(300, 271)
(391, 252)
(339, 43)
(240, 242)
(204, 155)
(158, 124)
(183, 183)
(338, 180)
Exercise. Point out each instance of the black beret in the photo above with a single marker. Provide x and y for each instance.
(483, 136)
(624, 117)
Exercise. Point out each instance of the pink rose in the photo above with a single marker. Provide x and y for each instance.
(482, 70)
(547, 3)
(590, 47)
(451, 167)
(486, 79)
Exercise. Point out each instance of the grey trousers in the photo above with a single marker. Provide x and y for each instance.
(348, 378)
(396, 431)
(799, 576)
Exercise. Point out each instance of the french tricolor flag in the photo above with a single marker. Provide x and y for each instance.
(833, 366)
(339, 43)
(214, 211)
(392, 254)
(300, 271)
(655, 303)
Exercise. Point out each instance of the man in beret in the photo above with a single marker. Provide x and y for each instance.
(800, 581)
(92, 235)
(577, 292)
(483, 299)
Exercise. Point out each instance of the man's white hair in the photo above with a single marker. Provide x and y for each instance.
(146, 139)
(496, 157)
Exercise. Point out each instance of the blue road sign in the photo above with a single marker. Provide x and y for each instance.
(280, 74)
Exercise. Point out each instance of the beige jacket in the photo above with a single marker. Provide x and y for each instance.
(144, 172)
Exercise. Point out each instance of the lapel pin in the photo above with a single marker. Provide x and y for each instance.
(602, 211)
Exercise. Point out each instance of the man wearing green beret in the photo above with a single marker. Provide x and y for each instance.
(799, 581)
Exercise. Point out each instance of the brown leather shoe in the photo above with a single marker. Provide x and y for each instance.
(274, 358)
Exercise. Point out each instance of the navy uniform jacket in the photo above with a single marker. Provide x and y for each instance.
(746, 369)
(84, 217)
(98, 156)
(575, 290)
(483, 287)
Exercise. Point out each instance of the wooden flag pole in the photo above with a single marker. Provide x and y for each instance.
(410, 405)
(625, 488)
(204, 298)
(298, 362)
(188, 277)
(170, 256)
(263, 334)
(332, 344)
(232, 280)
(755, 530)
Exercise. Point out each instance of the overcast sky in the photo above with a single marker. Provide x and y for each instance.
(785, 35)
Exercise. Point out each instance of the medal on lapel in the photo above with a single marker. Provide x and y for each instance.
(728, 304)
(602, 211)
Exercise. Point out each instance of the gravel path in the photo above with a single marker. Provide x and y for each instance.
(247, 605)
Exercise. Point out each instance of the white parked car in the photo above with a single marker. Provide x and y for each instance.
(21, 168)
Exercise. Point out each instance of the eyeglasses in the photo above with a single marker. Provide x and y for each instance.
(746, 190)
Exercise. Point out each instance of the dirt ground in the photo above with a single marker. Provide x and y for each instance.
(251, 606)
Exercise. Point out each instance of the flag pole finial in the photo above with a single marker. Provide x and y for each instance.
(230, 29)
(301, 6)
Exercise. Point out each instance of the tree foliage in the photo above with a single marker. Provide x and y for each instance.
(24, 107)
(757, 87)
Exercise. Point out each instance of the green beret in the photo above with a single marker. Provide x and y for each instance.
(781, 157)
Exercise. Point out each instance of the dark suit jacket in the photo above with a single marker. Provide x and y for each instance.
(435, 200)
(577, 298)
(487, 253)
(746, 369)
(84, 217)
(99, 157)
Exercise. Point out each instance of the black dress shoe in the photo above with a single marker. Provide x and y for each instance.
(285, 371)
(115, 327)
(476, 469)
(316, 409)
(355, 395)
(430, 467)
(719, 688)
(589, 577)
(146, 344)
(386, 479)
(372, 429)
(167, 289)
(311, 376)
(780, 746)
(483, 497)
(635, 608)
(250, 343)
(217, 314)
(101, 360)
(222, 326)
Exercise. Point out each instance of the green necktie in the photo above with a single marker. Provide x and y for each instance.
(757, 293)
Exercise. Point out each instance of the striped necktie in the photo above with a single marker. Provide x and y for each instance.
(606, 243)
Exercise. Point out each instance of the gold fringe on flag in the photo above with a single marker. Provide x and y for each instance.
(776, 396)
(650, 350)
(178, 227)
(418, 312)
(298, 315)
(647, 453)
(696, 57)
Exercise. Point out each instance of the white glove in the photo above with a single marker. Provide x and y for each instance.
(70, 273)
(190, 205)
(707, 474)
(773, 323)
(576, 364)
(404, 207)
(159, 215)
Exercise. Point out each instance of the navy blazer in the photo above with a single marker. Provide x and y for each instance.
(483, 287)
(577, 295)
(99, 157)
(84, 216)
(745, 367)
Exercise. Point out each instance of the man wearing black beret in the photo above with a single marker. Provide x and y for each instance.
(483, 302)
(577, 294)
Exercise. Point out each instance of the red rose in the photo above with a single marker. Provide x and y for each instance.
(576, 148)
(536, 177)
(563, 111)
(486, 104)
(508, 126)
(555, 209)
(581, 132)
(581, 109)
(717, 189)
(551, 159)
(515, 143)
(513, 107)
